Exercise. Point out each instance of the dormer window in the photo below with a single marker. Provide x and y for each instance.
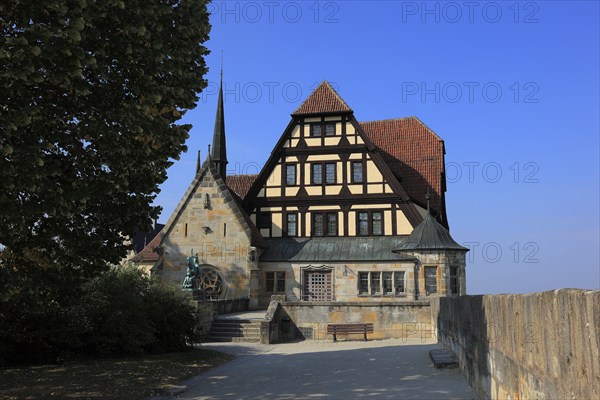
(322, 129)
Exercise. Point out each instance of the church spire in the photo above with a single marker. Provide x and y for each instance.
(219, 152)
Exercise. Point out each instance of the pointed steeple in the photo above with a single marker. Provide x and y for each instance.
(219, 151)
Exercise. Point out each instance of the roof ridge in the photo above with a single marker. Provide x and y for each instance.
(389, 119)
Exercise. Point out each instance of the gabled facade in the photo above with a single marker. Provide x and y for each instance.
(330, 210)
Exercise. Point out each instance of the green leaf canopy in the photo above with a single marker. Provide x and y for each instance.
(91, 94)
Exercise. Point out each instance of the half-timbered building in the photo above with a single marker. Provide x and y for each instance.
(342, 211)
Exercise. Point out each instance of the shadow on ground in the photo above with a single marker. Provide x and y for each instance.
(345, 370)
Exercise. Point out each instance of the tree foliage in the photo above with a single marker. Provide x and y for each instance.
(91, 94)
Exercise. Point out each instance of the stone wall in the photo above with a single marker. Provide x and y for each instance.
(208, 222)
(401, 320)
(532, 346)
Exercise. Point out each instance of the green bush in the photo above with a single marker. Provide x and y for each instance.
(119, 312)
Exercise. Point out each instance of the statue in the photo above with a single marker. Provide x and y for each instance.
(193, 272)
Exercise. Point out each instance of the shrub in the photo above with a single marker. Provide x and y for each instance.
(112, 314)
(173, 318)
(119, 312)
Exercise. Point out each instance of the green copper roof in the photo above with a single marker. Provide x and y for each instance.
(333, 249)
(428, 235)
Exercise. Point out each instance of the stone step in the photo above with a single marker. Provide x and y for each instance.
(443, 358)
(219, 323)
(236, 321)
(225, 332)
(210, 339)
(234, 330)
(234, 334)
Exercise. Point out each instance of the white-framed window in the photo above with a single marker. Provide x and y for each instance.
(377, 283)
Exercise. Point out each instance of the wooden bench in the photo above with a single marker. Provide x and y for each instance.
(349, 328)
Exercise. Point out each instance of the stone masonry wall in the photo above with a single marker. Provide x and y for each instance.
(212, 228)
(400, 320)
(533, 346)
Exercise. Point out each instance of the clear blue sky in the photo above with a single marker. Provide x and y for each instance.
(512, 88)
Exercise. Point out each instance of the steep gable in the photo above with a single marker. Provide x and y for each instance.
(313, 168)
(194, 192)
(323, 100)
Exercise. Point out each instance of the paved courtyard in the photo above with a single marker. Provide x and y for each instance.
(385, 369)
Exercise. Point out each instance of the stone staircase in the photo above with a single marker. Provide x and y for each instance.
(232, 328)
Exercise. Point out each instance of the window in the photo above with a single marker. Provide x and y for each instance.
(329, 129)
(263, 220)
(388, 287)
(317, 174)
(317, 224)
(315, 130)
(363, 223)
(330, 173)
(275, 282)
(320, 129)
(323, 173)
(363, 283)
(331, 224)
(317, 285)
(454, 282)
(377, 226)
(291, 228)
(357, 172)
(399, 282)
(375, 283)
(324, 224)
(290, 174)
(370, 223)
(430, 280)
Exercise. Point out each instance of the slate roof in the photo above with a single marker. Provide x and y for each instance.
(240, 184)
(333, 249)
(324, 99)
(429, 235)
(414, 153)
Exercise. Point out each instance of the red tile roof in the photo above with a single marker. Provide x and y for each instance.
(240, 184)
(148, 254)
(324, 99)
(414, 153)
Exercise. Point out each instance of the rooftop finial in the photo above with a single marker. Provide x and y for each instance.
(209, 157)
(427, 197)
(198, 162)
(221, 65)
